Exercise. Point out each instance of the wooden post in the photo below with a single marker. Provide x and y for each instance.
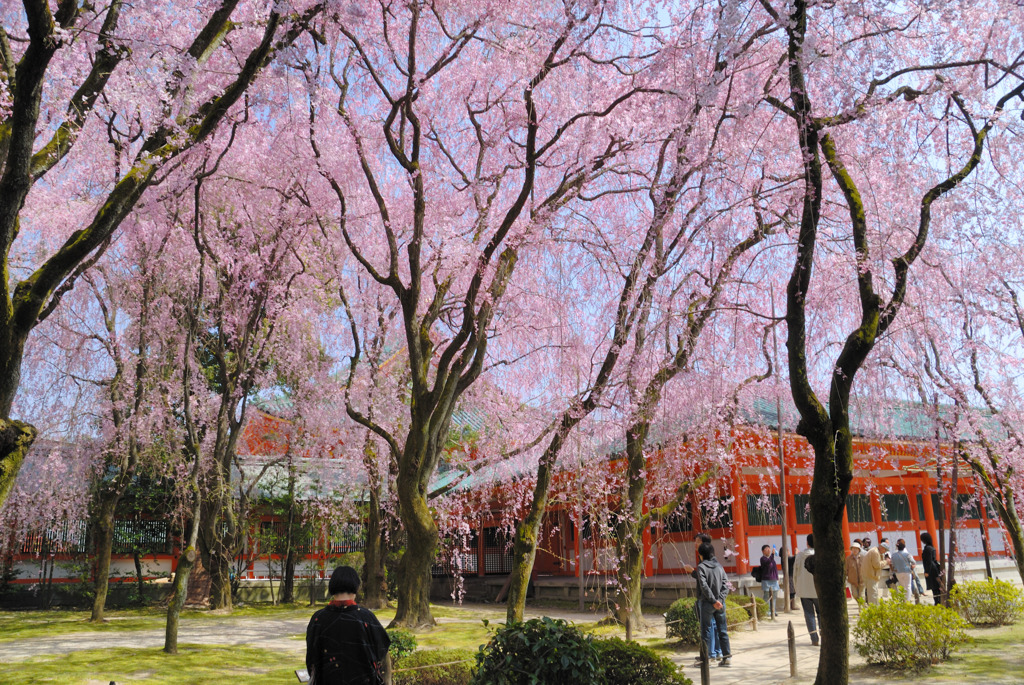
(705, 663)
(753, 611)
(791, 637)
(629, 626)
(388, 670)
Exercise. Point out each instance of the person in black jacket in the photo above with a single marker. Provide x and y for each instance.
(345, 643)
(712, 589)
(932, 570)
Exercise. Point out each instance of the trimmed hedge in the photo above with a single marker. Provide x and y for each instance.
(457, 671)
(627, 663)
(988, 602)
(681, 620)
(901, 635)
(762, 606)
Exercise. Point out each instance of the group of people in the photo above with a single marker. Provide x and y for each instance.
(868, 574)
(346, 644)
(870, 570)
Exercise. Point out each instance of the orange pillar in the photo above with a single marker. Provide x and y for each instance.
(739, 520)
(876, 515)
(929, 513)
(846, 527)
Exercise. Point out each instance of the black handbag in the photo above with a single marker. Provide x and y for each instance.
(892, 581)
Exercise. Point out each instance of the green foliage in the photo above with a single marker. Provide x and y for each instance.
(736, 616)
(744, 602)
(457, 668)
(991, 602)
(900, 634)
(681, 619)
(538, 652)
(8, 574)
(403, 643)
(627, 663)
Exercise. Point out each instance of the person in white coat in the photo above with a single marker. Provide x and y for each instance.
(803, 576)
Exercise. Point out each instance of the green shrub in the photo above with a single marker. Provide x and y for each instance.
(457, 668)
(744, 603)
(538, 652)
(736, 616)
(900, 634)
(403, 643)
(627, 663)
(992, 602)
(681, 620)
(763, 611)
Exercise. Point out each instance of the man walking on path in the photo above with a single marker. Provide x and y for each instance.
(872, 570)
(713, 587)
(853, 571)
(805, 590)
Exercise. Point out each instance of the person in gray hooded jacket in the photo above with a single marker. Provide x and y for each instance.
(712, 589)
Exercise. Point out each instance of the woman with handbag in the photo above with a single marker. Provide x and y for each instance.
(345, 643)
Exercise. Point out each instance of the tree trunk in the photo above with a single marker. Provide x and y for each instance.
(16, 438)
(629, 531)
(375, 586)
(215, 538)
(524, 548)
(104, 532)
(830, 561)
(954, 506)
(288, 559)
(186, 562)
(1013, 528)
(420, 551)
(220, 581)
(138, 574)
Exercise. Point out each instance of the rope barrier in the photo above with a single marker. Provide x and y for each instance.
(420, 668)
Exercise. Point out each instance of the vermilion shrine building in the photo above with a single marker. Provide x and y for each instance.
(895, 493)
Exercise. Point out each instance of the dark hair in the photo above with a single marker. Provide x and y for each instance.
(866, 543)
(706, 551)
(926, 538)
(704, 538)
(901, 545)
(345, 580)
(810, 540)
(764, 547)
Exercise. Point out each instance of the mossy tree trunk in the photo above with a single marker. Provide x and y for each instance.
(375, 585)
(179, 587)
(16, 438)
(103, 534)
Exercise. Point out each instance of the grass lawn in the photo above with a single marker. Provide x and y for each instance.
(995, 655)
(21, 625)
(193, 664)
